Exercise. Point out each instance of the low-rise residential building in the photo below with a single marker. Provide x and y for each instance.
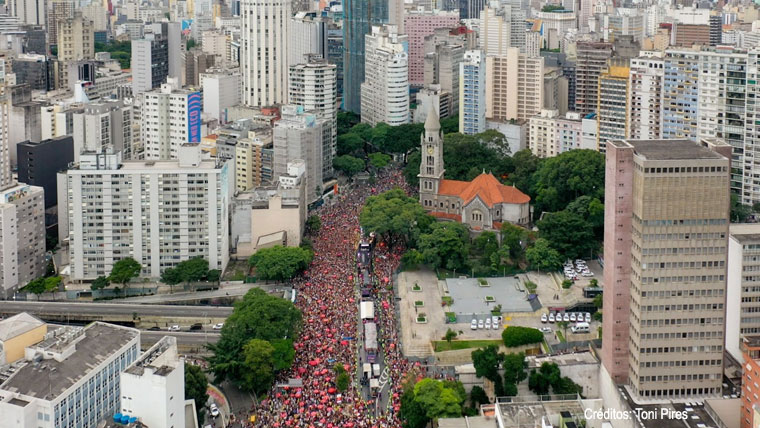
(551, 134)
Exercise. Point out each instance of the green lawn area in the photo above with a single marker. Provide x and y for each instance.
(560, 336)
(442, 345)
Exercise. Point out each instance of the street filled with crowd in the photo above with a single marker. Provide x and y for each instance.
(328, 298)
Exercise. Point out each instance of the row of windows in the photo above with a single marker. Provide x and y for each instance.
(678, 349)
(680, 293)
(681, 321)
(668, 279)
(684, 335)
(699, 307)
(678, 392)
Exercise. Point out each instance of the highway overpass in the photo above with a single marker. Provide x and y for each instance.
(131, 314)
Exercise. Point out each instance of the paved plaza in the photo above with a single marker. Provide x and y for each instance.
(470, 297)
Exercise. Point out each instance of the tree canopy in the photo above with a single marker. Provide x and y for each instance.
(568, 233)
(394, 216)
(487, 361)
(124, 270)
(349, 165)
(437, 400)
(543, 257)
(257, 316)
(447, 245)
(517, 336)
(42, 285)
(196, 386)
(379, 160)
(280, 263)
(259, 366)
(561, 179)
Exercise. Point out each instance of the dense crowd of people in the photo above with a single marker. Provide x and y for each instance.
(328, 298)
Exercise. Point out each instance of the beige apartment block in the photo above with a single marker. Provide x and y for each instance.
(666, 228)
(515, 85)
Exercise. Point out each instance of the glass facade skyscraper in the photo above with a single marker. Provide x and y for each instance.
(358, 18)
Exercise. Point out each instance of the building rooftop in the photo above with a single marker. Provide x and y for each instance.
(669, 149)
(17, 325)
(48, 379)
(696, 415)
(743, 233)
(163, 165)
(486, 187)
(161, 359)
(521, 413)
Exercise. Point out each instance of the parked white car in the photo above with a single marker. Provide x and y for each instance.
(488, 323)
(551, 317)
(545, 330)
(566, 317)
(474, 325)
(174, 328)
(481, 324)
(572, 317)
(544, 318)
(214, 410)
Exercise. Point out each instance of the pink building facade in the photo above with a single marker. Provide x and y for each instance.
(618, 240)
(417, 25)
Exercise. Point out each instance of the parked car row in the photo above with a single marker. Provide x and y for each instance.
(573, 270)
(195, 327)
(493, 322)
(566, 317)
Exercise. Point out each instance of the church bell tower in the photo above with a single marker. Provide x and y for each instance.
(431, 164)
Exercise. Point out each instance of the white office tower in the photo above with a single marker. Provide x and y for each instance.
(170, 118)
(646, 98)
(299, 135)
(66, 377)
(313, 85)
(307, 34)
(385, 90)
(221, 90)
(157, 212)
(472, 93)
(495, 31)
(158, 56)
(153, 387)
(263, 51)
(103, 124)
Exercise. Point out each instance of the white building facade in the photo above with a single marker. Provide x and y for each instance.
(170, 117)
(385, 90)
(263, 51)
(158, 212)
(472, 93)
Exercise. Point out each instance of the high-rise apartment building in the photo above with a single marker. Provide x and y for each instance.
(495, 31)
(157, 212)
(103, 124)
(264, 51)
(254, 160)
(471, 9)
(612, 103)
(157, 57)
(58, 11)
(196, 62)
(313, 85)
(645, 108)
(743, 294)
(591, 60)
(472, 93)
(417, 26)
(30, 12)
(221, 90)
(76, 41)
(170, 117)
(22, 236)
(385, 91)
(442, 68)
(515, 85)
(665, 248)
(680, 92)
(550, 134)
(307, 35)
(299, 135)
(359, 16)
(76, 384)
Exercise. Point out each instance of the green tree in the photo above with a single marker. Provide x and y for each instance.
(349, 165)
(538, 383)
(590, 210)
(257, 316)
(412, 414)
(349, 144)
(412, 168)
(171, 277)
(193, 270)
(283, 353)
(395, 217)
(99, 283)
(513, 238)
(563, 178)
(478, 396)
(190, 44)
(526, 164)
(411, 259)
(258, 374)
(458, 388)
(214, 275)
(446, 245)
(379, 160)
(569, 234)
(280, 263)
(313, 224)
(123, 271)
(346, 120)
(35, 286)
(514, 368)
(450, 335)
(495, 140)
(196, 387)
(518, 336)
(543, 257)
(437, 400)
(449, 125)
(486, 362)
(739, 212)
(599, 301)
(486, 245)
(342, 381)
(510, 389)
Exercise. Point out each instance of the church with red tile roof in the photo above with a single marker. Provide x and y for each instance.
(483, 203)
